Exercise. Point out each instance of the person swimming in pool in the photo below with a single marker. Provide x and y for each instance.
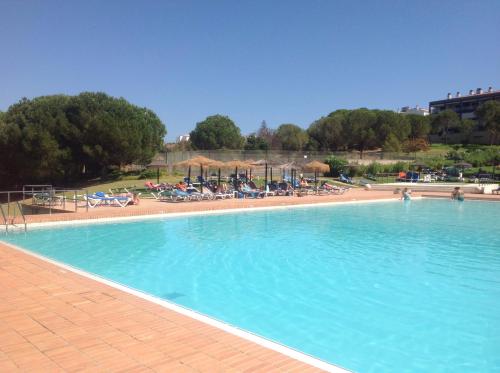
(457, 194)
(406, 194)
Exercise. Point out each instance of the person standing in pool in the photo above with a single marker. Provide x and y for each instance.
(406, 194)
(457, 194)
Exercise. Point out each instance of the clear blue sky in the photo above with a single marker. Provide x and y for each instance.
(282, 61)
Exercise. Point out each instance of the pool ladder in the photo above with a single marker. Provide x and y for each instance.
(8, 221)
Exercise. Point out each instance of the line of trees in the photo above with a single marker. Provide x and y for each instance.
(63, 139)
(359, 129)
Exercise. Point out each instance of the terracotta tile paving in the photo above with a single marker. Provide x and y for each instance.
(54, 320)
(151, 206)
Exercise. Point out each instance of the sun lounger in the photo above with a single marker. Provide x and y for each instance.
(101, 199)
(334, 189)
(48, 198)
(252, 193)
(412, 177)
(171, 195)
(197, 195)
(176, 195)
(269, 192)
(345, 179)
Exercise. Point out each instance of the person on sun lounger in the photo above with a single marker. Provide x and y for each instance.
(134, 197)
(181, 186)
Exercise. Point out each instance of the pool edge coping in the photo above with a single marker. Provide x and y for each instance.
(233, 330)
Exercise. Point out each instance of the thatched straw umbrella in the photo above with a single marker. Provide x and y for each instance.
(196, 161)
(316, 167)
(186, 164)
(157, 164)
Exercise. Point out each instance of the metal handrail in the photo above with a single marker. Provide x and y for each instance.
(51, 192)
(20, 208)
(5, 220)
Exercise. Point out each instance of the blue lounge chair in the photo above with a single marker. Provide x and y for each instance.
(345, 179)
(252, 193)
(100, 198)
(412, 177)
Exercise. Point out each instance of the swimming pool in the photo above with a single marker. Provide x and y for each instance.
(386, 286)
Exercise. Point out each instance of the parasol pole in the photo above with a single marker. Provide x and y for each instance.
(201, 178)
(265, 175)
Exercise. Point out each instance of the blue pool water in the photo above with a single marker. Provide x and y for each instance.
(389, 286)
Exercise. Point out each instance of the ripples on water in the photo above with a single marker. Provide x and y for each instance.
(371, 287)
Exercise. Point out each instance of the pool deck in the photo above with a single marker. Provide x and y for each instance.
(53, 319)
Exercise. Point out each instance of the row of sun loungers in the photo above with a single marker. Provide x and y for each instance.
(121, 197)
(173, 194)
(170, 193)
(176, 195)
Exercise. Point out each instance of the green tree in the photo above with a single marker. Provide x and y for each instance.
(5, 150)
(390, 123)
(420, 126)
(256, 143)
(466, 128)
(327, 132)
(54, 138)
(291, 137)
(444, 121)
(360, 129)
(216, 132)
(489, 116)
(392, 144)
(114, 132)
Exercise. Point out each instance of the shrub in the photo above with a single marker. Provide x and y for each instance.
(396, 167)
(115, 175)
(374, 168)
(337, 165)
(482, 156)
(148, 173)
